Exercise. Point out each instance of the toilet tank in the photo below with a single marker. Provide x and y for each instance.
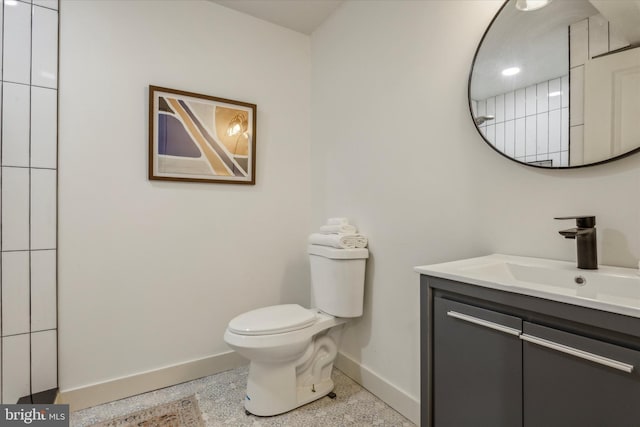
(337, 279)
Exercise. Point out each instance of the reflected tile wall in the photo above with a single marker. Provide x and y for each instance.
(588, 38)
(531, 124)
(28, 196)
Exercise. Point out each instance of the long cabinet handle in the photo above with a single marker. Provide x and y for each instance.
(615, 364)
(485, 323)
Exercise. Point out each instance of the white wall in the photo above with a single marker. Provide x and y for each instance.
(150, 273)
(394, 148)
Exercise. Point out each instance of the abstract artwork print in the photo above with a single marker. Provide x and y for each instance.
(195, 137)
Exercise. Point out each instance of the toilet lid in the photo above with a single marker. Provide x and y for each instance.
(275, 319)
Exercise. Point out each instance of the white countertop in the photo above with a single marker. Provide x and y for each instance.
(612, 289)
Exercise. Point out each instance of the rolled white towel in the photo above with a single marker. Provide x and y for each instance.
(337, 221)
(334, 240)
(361, 241)
(335, 229)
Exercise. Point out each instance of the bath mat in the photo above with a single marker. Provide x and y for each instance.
(180, 413)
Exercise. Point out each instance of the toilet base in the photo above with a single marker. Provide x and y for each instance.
(268, 403)
(275, 388)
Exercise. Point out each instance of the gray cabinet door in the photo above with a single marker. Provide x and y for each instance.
(477, 367)
(571, 380)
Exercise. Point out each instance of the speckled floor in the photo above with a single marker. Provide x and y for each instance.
(220, 399)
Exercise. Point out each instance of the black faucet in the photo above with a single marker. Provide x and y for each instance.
(585, 235)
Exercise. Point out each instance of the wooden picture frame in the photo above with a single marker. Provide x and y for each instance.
(201, 138)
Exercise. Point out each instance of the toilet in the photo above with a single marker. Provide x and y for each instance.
(291, 349)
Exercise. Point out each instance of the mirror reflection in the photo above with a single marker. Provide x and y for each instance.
(557, 83)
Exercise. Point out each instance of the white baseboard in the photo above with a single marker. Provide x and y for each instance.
(383, 389)
(96, 394)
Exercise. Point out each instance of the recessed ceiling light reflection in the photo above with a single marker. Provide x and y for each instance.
(556, 93)
(512, 71)
(11, 2)
(529, 5)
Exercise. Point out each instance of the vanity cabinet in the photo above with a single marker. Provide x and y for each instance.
(493, 358)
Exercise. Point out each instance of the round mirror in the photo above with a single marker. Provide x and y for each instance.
(556, 84)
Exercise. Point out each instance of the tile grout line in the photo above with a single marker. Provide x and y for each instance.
(28, 333)
(28, 167)
(32, 10)
(57, 185)
(30, 85)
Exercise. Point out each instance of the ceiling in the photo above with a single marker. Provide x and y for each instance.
(303, 16)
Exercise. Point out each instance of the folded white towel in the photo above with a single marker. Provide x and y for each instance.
(337, 221)
(338, 241)
(344, 229)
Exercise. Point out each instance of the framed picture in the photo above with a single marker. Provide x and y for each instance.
(201, 138)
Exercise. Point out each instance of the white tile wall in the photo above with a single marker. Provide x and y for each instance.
(500, 136)
(529, 123)
(28, 120)
(15, 293)
(51, 4)
(15, 124)
(44, 53)
(510, 138)
(530, 131)
(555, 94)
(577, 145)
(482, 108)
(542, 133)
(490, 133)
(564, 128)
(43, 361)
(15, 208)
(577, 96)
(521, 135)
(509, 106)
(15, 367)
(542, 97)
(587, 38)
(565, 91)
(44, 127)
(499, 108)
(520, 103)
(43, 290)
(17, 43)
(555, 130)
(531, 99)
(491, 107)
(43, 209)
(1, 57)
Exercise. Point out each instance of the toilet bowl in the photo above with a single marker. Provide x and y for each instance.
(288, 368)
(291, 349)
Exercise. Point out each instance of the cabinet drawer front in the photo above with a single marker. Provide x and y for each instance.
(477, 369)
(580, 343)
(481, 314)
(574, 380)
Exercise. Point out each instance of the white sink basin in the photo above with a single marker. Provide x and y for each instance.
(611, 289)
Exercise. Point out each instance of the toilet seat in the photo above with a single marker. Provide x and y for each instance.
(275, 319)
